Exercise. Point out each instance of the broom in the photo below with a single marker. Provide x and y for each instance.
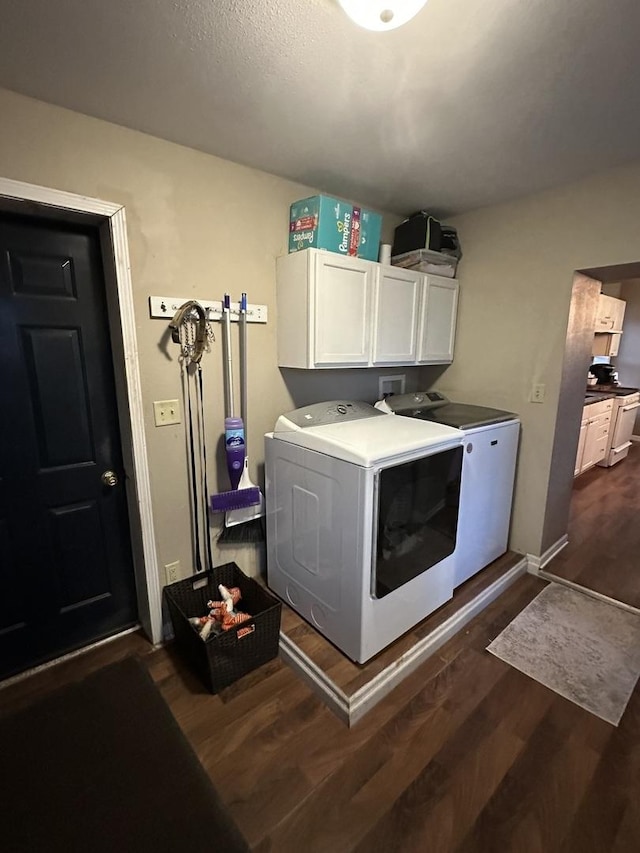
(244, 523)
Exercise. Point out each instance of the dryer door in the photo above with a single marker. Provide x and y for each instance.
(417, 518)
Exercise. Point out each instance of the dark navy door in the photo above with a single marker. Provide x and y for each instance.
(66, 574)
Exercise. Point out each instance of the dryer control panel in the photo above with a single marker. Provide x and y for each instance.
(323, 414)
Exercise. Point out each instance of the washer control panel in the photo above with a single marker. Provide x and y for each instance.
(323, 414)
(417, 401)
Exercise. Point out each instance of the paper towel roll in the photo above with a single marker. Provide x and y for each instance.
(385, 253)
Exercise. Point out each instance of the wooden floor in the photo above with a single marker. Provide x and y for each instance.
(603, 553)
(467, 754)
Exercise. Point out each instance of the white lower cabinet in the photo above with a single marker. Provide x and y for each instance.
(336, 311)
(581, 440)
(594, 435)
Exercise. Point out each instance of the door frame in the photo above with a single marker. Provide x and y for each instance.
(110, 219)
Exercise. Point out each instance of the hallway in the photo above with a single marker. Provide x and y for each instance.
(603, 553)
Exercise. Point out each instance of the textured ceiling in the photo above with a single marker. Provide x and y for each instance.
(473, 102)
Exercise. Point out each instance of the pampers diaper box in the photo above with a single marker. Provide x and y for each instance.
(321, 222)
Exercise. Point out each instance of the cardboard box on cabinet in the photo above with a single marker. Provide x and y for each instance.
(322, 222)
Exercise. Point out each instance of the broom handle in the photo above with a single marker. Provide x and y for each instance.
(228, 387)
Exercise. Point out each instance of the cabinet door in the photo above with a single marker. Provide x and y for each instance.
(437, 320)
(614, 344)
(342, 291)
(605, 313)
(589, 450)
(610, 314)
(618, 316)
(596, 441)
(397, 294)
(581, 441)
(605, 344)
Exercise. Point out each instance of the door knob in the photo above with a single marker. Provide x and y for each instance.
(110, 478)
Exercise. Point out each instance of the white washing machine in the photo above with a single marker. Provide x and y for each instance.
(362, 513)
(488, 472)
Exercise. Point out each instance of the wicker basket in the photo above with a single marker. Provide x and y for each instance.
(223, 658)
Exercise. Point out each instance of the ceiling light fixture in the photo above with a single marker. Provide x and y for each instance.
(381, 15)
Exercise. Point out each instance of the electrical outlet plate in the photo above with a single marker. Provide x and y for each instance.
(166, 412)
(172, 572)
(388, 385)
(537, 393)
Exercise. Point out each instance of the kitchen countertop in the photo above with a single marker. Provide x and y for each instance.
(597, 397)
(596, 393)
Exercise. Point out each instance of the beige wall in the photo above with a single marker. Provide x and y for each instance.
(516, 279)
(198, 226)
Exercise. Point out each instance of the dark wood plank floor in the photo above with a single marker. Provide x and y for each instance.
(603, 553)
(467, 754)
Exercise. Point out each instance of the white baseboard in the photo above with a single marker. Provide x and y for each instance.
(600, 596)
(535, 564)
(315, 677)
(635, 438)
(350, 709)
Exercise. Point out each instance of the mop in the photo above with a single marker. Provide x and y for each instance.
(244, 524)
(241, 497)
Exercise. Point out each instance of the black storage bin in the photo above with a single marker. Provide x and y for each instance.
(419, 231)
(223, 658)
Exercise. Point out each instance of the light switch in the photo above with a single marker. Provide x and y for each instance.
(166, 412)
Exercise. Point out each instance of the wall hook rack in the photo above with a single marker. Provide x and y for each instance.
(164, 307)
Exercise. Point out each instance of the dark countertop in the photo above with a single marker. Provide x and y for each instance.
(596, 393)
(597, 397)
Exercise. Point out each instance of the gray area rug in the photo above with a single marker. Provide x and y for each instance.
(585, 649)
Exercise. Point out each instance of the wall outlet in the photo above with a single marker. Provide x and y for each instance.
(172, 572)
(538, 392)
(388, 385)
(166, 412)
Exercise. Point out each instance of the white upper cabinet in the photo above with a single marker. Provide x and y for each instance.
(608, 327)
(397, 298)
(336, 311)
(606, 344)
(324, 305)
(340, 302)
(438, 320)
(610, 314)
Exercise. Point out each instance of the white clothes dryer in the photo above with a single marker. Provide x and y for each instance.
(362, 513)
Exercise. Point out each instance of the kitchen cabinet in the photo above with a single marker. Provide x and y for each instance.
(337, 311)
(610, 314)
(594, 435)
(608, 325)
(584, 423)
(606, 343)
